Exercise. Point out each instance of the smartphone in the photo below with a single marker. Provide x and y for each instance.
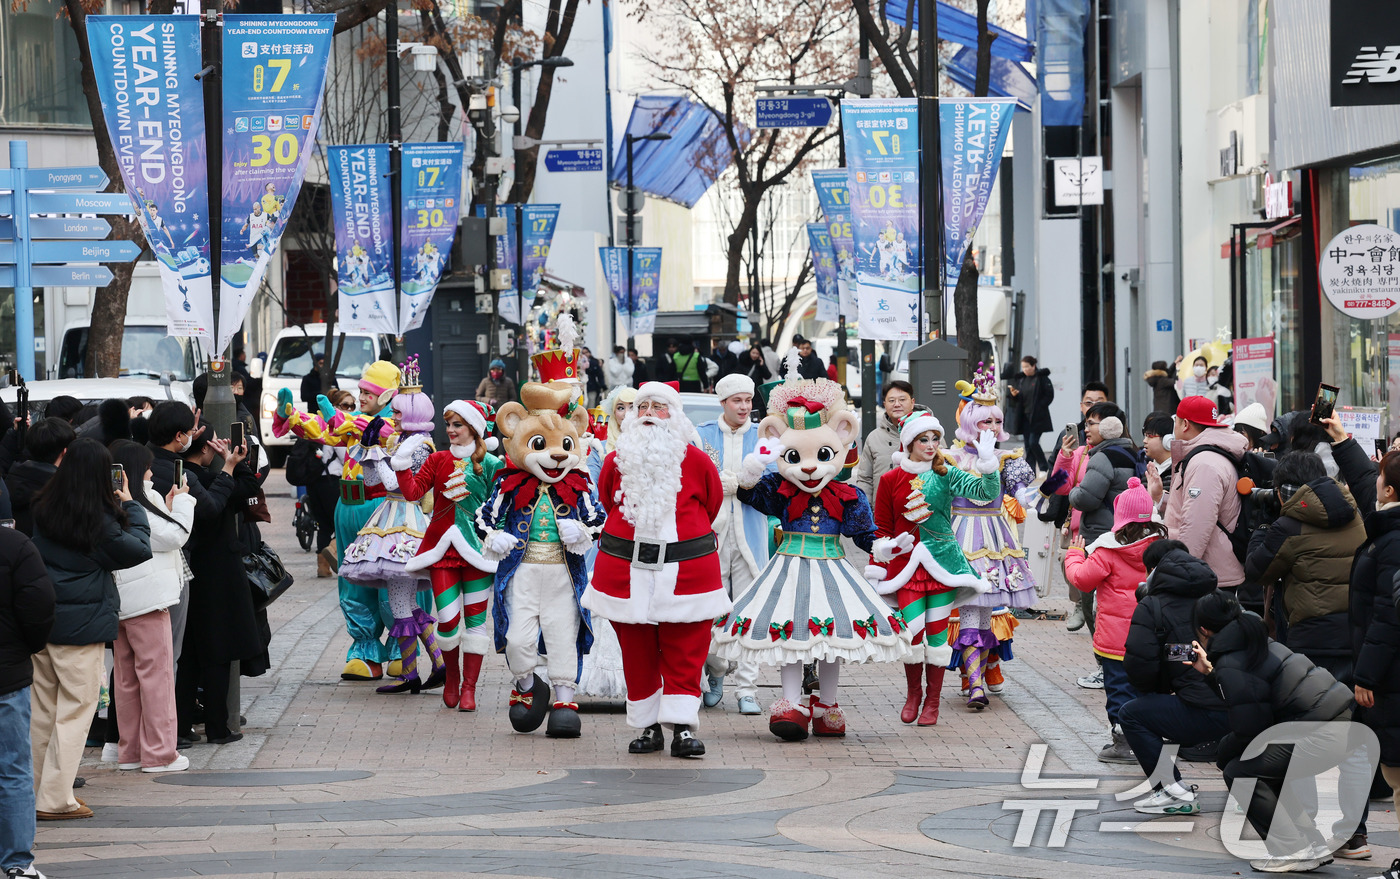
(1180, 653)
(1325, 403)
(179, 473)
(1072, 431)
(7, 523)
(236, 435)
(1382, 445)
(118, 477)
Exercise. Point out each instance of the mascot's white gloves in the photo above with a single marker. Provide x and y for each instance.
(574, 536)
(878, 578)
(498, 545)
(987, 459)
(754, 465)
(886, 548)
(1029, 496)
(403, 455)
(729, 482)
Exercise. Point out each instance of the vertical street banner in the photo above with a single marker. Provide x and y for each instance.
(882, 159)
(974, 135)
(364, 238)
(1254, 374)
(639, 308)
(154, 110)
(535, 236)
(834, 198)
(432, 201)
(274, 71)
(824, 270)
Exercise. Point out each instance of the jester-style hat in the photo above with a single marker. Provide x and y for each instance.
(984, 385)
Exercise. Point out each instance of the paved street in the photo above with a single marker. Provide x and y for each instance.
(333, 779)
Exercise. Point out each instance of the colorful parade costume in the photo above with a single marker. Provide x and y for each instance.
(656, 578)
(809, 603)
(379, 555)
(365, 617)
(537, 524)
(451, 552)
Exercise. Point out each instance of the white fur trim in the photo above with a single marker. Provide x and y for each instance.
(734, 383)
(941, 655)
(986, 465)
(646, 605)
(474, 642)
(968, 586)
(1109, 540)
(660, 392)
(454, 539)
(679, 708)
(490, 539)
(908, 465)
(641, 713)
(875, 573)
(492, 444)
(462, 453)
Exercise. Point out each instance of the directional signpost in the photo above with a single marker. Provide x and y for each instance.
(573, 160)
(79, 239)
(793, 111)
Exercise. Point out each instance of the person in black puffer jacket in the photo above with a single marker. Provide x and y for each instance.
(1375, 622)
(84, 530)
(1175, 702)
(1264, 683)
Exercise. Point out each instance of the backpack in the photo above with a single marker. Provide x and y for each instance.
(1136, 459)
(304, 464)
(1253, 513)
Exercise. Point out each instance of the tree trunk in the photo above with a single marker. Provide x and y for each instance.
(104, 354)
(737, 240)
(527, 161)
(965, 310)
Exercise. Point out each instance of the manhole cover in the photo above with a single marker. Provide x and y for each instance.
(262, 778)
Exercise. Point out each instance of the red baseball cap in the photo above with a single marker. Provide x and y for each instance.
(1199, 410)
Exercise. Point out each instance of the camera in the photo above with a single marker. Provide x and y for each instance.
(1268, 500)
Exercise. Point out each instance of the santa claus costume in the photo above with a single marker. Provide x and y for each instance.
(460, 479)
(809, 603)
(656, 578)
(916, 559)
(378, 557)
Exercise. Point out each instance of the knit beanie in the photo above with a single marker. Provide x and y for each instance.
(1133, 505)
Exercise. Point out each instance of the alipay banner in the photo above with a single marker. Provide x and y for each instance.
(536, 234)
(614, 261)
(154, 110)
(432, 193)
(638, 309)
(364, 238)
(834, 197)
(882, 158)
(824, 270)
(274, 69)
(974, 135)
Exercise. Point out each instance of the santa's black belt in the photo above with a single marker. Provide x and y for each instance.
(649, 556)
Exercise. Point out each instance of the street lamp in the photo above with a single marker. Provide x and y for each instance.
(631, 210)
(511, 116)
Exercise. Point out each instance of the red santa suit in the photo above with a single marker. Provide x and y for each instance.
(662, 614)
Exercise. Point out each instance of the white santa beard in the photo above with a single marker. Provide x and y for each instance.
(649, 459)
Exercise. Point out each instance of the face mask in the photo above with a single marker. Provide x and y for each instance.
(1198, 370)
(1167, 442)
(496, 374)
(189, 441)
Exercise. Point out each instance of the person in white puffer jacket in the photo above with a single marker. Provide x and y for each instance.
(143, 651)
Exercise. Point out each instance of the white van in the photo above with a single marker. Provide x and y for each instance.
(289, 360)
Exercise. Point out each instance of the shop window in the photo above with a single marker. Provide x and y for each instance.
(40, 67)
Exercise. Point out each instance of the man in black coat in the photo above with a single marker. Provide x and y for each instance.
(26, 618)
(44, 443)
(311, 382)
(1176, 703)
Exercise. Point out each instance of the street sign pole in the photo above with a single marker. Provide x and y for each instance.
(24, 289)
(219, 407)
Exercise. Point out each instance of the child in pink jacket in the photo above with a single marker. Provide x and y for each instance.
(1112, 567)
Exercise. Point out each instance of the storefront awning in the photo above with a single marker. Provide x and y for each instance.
(1263, 237)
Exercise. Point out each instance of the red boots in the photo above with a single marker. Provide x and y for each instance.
(454, 678)
(929, 716)
(914, 680)
(471, 669)
(828, 721)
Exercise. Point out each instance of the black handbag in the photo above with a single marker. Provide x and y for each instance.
(267, 576)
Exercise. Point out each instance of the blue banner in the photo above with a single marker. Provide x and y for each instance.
(974, 134)
(535, 238)
(882, 158)
(834, 197)
(364, 238)
(154, 110)
(638, 309)
(1059, 63)
(432, 201)
(274, 71)
(824, 270)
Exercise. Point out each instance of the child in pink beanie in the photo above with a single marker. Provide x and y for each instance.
(1112, 566)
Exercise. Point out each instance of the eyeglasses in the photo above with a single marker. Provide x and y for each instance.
(1091, 424)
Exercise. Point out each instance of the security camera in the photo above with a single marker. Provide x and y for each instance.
(510, 114)
(425, 58)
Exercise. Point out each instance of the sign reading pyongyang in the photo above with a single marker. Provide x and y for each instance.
(1360, 272)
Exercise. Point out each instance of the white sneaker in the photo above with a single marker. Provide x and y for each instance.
(1093, 681)
(1298, 862)
(109, 752)
(30, 872)
(995, 688)
(1162, 803)
(179, 764)
(127, 767)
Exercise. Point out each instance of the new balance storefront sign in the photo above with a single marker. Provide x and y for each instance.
(1365, 66)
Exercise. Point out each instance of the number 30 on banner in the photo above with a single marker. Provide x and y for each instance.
(284, 150)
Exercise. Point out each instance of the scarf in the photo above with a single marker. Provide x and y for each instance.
(524, 485)
(834, 498)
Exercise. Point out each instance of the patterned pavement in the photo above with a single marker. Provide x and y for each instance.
(333, 779)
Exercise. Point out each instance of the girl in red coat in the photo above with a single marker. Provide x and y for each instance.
(1112, 567)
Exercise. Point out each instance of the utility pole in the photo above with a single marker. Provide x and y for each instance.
(391, 70)
(219, 409)
(931, 178)
(868, 391)
(631, 206)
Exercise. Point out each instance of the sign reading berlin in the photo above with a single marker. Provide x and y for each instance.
(1360, 272)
